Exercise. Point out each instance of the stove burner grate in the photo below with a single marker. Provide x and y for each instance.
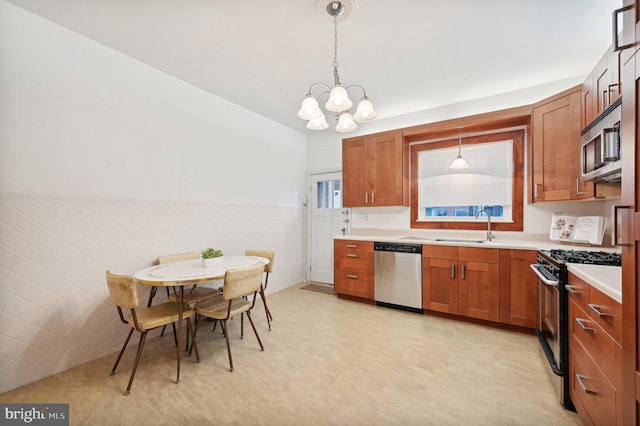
(587, 257)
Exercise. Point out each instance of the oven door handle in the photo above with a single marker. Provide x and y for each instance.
(534, 267)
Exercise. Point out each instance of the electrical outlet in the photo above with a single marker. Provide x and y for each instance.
(363, 218)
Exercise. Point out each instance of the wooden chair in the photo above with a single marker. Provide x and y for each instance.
(238, 285)
(124, 294)
(267, 269)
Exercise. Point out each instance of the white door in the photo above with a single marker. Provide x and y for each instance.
(328, 219)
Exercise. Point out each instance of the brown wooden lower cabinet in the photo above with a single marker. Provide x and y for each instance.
(595, 355)
(518, 288)
(353, 268)
(461, 280)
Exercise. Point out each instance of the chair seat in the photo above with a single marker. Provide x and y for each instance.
(196, 294)
(217, 308)
(159, 315)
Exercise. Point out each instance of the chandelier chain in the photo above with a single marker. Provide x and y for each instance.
(335, 41)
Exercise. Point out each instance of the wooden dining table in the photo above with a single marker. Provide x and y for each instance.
(188, 272)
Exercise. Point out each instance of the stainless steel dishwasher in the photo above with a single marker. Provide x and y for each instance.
(397, 275)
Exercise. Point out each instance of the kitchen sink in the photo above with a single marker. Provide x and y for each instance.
(416, 239)
(460, 240)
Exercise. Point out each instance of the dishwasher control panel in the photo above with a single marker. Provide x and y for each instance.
(398, 247)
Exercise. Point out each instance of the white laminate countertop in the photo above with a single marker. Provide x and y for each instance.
(607, 279)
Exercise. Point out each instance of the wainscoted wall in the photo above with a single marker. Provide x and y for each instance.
(54, 303)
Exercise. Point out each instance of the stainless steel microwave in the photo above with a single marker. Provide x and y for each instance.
(600, 149)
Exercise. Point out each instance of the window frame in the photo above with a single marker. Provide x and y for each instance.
(518, 136)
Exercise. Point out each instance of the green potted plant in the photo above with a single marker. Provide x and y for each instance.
(211, 256)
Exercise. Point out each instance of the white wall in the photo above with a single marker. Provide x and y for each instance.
(325, 151)
(108, 163)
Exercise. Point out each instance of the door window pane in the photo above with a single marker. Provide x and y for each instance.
(329, 194)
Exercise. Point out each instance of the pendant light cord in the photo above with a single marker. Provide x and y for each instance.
(336, 78)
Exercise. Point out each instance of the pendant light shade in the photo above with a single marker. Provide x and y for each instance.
(339, 101)
(346, 123)
(459, 162)
(309, 109)
(365, 111)
(319, 123)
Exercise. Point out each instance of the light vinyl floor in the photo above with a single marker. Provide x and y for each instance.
(327, 361)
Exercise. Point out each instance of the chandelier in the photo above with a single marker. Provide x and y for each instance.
(338, 102)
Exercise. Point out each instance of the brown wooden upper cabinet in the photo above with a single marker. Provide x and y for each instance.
(373, 173)
(555, 149)
(602, 87)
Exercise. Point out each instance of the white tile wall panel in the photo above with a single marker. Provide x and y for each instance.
(54, 252)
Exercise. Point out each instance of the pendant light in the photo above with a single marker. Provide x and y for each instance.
(459, 162)
(338, 102)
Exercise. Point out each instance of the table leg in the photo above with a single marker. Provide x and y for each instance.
(180, 298)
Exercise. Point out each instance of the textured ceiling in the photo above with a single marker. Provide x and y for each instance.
(409, 55)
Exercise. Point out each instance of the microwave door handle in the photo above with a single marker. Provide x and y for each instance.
(534, 267)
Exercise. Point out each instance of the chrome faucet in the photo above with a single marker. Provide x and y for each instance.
(490, 236)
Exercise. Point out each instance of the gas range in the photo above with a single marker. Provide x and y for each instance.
(583, 256)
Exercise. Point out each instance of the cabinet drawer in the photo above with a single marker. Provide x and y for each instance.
(359, 285)
(353, 262)
(606, 312)
(353, 246)
(579, 291)
(479, 254)
(583, 330)
(439, 252)
(593, 395)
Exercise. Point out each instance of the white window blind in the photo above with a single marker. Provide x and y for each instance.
(487, 181)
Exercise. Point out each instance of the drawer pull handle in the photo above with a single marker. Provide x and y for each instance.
(353, 277)
(462, 271)
(581, 322)
(580, 379)
(352, 246)
(572, 289)
(597, 310)
(453, 270)
(351, 255)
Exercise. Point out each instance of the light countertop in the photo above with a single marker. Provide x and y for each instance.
(607, 279)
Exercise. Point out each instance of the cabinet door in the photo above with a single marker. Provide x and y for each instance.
(518, 288)
(356, 172)
(440, 278)
(479, 283)
(386, 170)
(556, 150)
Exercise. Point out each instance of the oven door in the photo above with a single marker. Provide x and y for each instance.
(548, 330)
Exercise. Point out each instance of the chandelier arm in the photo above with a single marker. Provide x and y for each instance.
(318, 84)
(364, 93)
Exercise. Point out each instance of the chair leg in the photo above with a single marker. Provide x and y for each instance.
(164, 327)
(143, 338)
(254, 330)
(266, 309)
(226, 336)
(113, 370)
(194, 345)
(242, 326)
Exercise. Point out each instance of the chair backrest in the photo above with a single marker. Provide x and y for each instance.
(123, 290)
(242, 282)
(177, 257)
(263, 253)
